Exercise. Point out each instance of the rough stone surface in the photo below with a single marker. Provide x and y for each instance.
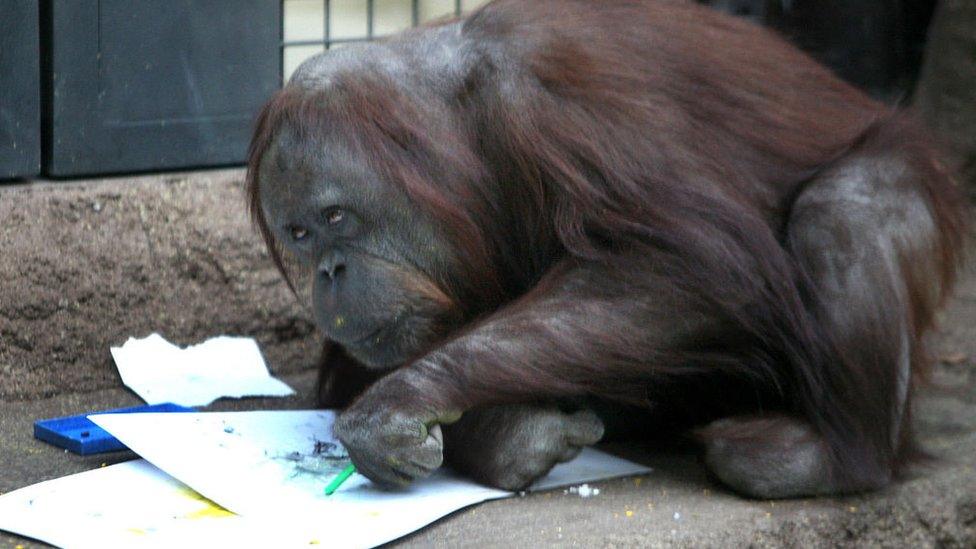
(946, 93)
(204, 273)
(83, 266)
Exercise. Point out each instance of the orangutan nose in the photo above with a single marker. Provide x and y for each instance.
(332, 265)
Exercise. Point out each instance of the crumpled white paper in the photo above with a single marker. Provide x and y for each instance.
(161, 372)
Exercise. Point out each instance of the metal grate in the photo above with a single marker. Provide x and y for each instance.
(328, 41)
(337, 16)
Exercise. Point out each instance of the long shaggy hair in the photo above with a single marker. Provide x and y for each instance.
(653, 129)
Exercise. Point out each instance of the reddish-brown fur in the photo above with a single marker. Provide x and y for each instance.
(647, 130)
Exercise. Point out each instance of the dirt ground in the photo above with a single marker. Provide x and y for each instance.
(85, 265)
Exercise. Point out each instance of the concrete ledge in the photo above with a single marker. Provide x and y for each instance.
(84, 265)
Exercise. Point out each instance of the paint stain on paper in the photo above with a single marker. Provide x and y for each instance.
(209, 509)
(323, 459)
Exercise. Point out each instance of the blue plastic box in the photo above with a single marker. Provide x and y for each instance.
(81, 436)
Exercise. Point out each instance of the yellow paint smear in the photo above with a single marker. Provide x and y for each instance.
(209, 510)
(136, 531)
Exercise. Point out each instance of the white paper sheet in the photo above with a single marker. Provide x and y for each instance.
(133, 505)
(275, 465)
(161, 372)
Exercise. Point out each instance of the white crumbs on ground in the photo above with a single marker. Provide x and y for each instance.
(583, 491)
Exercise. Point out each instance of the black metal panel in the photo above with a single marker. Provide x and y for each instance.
(862, 40)
(875, 44)
(156, 84)
(759, 11)
(20, 124)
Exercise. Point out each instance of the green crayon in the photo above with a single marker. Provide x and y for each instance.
(339, 479)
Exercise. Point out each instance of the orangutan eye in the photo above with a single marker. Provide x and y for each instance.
(334, 216)
(298, 233)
